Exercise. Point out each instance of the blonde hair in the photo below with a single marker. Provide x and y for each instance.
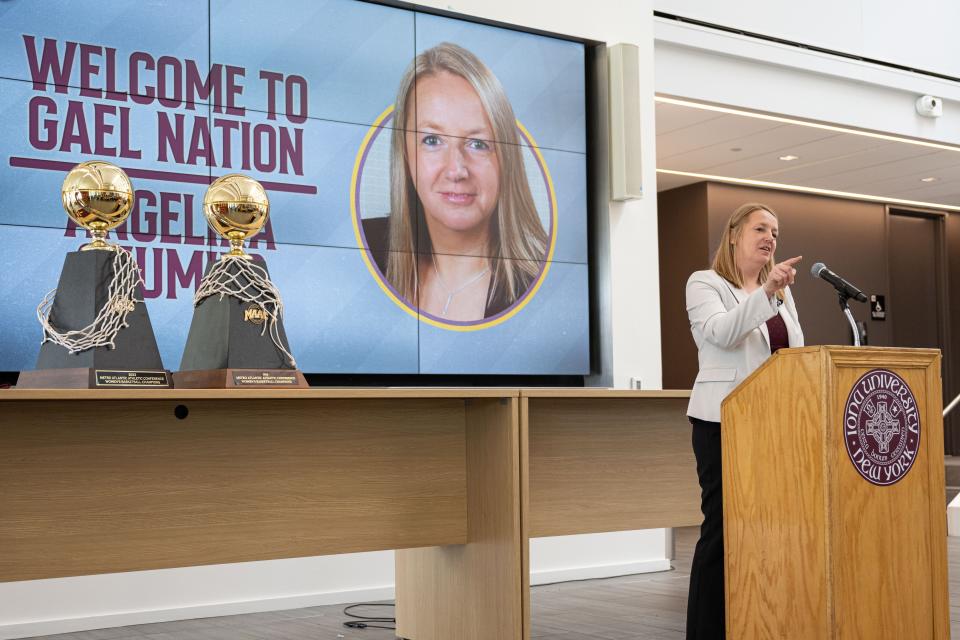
(516, 232)
(725, 259)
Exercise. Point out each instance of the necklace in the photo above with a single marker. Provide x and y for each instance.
(450, 293)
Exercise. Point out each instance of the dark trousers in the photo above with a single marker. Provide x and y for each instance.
(705, 603)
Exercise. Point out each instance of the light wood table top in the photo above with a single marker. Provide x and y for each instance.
(600, 392)
(321, 393)
(315, 393)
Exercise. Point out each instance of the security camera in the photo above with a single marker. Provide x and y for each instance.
(930, 106)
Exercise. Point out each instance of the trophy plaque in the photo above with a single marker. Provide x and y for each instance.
(236, 337)
(96, 330)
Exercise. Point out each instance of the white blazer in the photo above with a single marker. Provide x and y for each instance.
(729, 327)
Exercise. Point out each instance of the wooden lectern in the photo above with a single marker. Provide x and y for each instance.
(833, 497)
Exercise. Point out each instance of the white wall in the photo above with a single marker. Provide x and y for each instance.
(920, 34)
(41, 607)
(704, 64)
(89, 602)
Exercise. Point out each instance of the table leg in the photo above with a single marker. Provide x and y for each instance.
(474, 591)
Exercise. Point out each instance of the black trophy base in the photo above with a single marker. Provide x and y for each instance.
(227, 334)
(240, 379)
(133, 362)
(89, 378)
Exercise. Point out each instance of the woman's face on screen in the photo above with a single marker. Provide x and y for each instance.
(452, 159)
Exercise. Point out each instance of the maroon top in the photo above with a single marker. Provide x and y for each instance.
(777, 329)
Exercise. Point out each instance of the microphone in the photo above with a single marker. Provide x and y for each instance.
(819, 270)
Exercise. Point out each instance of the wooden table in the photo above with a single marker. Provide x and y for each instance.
(457, 480)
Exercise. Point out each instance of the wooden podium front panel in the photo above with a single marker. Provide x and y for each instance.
(889, 542)
(774, 516)
(814, 551)
(92, 486)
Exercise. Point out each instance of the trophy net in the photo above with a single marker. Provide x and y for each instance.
(111, 318)
(241, 278)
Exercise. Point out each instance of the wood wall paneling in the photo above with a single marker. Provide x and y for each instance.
(914, 303)
(952, 358)
(684, 248)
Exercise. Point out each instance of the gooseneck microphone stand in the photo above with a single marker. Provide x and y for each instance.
(844, 298)
(845, 291)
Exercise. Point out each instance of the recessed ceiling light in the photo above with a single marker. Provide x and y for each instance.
(928, 179)
(789, 158)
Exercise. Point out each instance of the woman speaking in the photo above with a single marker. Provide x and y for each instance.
(741, 311)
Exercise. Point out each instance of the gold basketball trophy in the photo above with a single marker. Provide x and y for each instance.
(96, 330)
(236, 338)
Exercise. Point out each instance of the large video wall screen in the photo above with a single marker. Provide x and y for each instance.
(427, 175)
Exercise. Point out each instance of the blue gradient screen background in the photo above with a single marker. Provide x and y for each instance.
(67, 95)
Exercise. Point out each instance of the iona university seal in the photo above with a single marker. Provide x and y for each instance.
(881, 427)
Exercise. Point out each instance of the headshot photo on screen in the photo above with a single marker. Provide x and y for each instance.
(463, 239)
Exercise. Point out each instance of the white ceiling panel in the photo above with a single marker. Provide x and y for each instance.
(699, 140)
(726, 129)
(670, 118)
(814, 154)
(866, 163)
(927, 191)
(769, 166)
(946, 178)
(907, 164)
(760, 146)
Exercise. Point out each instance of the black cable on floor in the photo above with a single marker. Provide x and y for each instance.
(365, 622)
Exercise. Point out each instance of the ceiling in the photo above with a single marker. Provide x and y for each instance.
(737, 145)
